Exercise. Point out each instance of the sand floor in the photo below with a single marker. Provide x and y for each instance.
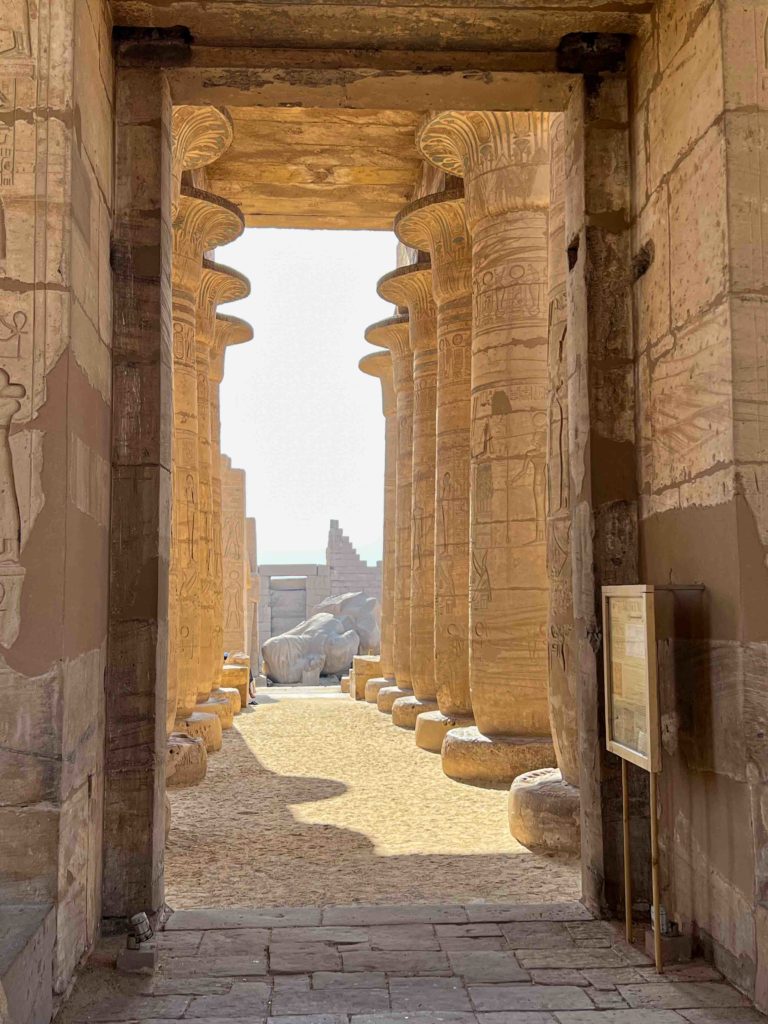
(321, 800)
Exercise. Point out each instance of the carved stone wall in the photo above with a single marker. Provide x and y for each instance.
(56, 189)
(700, 121)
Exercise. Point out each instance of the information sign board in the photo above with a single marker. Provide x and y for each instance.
(631, 687)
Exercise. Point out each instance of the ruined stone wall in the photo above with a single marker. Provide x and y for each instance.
(699, 122)
(56, 187)
(348, 572)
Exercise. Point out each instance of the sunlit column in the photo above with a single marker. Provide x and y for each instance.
(218, 284)
(544, 804)
(437, 224)
(203, 221)
(379, 364)
(410, 287)
(393, 335)
(504, 160)
(229, 330)
(199, 136)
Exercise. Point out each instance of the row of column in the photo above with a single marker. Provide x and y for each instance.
(476, 535)
(206, 502)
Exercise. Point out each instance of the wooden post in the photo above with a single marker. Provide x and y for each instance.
(627, 851)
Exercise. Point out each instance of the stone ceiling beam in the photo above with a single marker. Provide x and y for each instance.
(372, 89)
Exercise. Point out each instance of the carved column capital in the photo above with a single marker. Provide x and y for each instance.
(204, 221)
(437, 224)
(379, 364)
(200, 136)
(410, 287)
(394, 335)
(502, 156)
(218, 284)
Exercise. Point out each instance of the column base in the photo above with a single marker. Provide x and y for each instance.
(344, 684)
(232, 693)
(388, 695)
(406, 710)
(187, 760)
(218, 706)
(470, 756)
(237, 676)
(366, 666)
(544, 811)
(432, 727)
(203, 724)
(374, 686)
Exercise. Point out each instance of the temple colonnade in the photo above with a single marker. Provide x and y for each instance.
(480, 506)
(209, 569)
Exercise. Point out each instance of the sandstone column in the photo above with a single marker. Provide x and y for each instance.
(229, 330)
(218, 284)
(437, 224)
(544, 803)
(410, 287)
(379, 364)
(203, 221)
(393, 334)
(200, 135)
(233, 556)
(504, 159)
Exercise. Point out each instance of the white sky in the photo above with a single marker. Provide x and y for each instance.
(296, 412)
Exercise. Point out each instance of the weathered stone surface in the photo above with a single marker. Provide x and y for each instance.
(245, 999)
(187, 760)
(406, 711)
(528, 997)
(489, 966)
(212, 966)
(303, 958)
(203, 725)
(471, 756)
(428, 994)
(330, 1000)
(395, 915)
(411, 962)
(244, 917)
(544, 811)
(237, 941)
(682, 995)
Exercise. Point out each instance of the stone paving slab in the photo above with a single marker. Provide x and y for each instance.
(529, 997)
(361, 914)
(295, 966)
(244, 917)
(428, 994)
(568, 911)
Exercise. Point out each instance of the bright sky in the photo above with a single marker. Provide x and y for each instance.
(296, 412)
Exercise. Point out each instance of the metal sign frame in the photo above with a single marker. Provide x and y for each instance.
(650, 761)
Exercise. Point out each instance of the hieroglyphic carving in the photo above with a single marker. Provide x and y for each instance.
(410, 287)
(233, 556)
(11, 572)
(437, 224)
(393, 334)
(379, 364)
(504, 159)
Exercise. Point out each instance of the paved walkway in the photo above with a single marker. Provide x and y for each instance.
(451, 964)
(318, 799)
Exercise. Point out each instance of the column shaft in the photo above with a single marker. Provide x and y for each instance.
(389, 546)
(504, 159)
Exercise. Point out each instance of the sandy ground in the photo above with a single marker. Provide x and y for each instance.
(321, 800)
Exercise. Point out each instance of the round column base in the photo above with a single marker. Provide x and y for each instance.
(374, 686)
(217, 706)
(544, 811)
(187, 760)
(432, 726)
(203, 724)
(344, 684)
(232, 694)
(470, 756)
(237, 676)
(406, 710)
(388, 695)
